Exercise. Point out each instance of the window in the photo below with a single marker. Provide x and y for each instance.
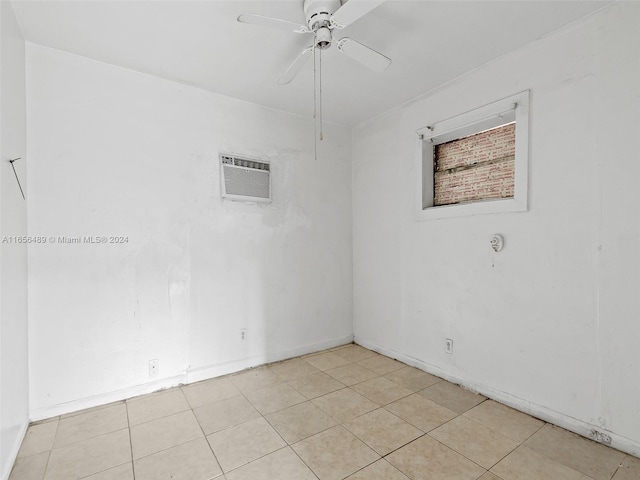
(476, 162)
(477, 167)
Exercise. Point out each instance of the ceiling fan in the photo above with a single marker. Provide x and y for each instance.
(323, 18)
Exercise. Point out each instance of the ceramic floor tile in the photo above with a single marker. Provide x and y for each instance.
(30, 468)
(475, 441)
(382, 391)
(38, 439)
(157, 405)
(509, 422)
(381, 364)
(244, 443)
(335, 453)
(629, 470)
(281, 465)
(351, 374)
(96, 422)
(380, 470)
(300, 421)
(344, 404)
(354, 353)
(339, 347)
(304, 400)
(326, 361)
(225, 413)
(489, 476)
(527, 464)
(121, 472)
(383, 431)
(192, 460)
(593, 459)
(91, 456)
(421, 412)
(46, 420)
(275, 397)
(292, 369)
(255, 378)
(427, 459)
(210, 391)
(452, 396)
(91, 409)
(320, 352)
(412, 378)
(167, 432)
(316, 385)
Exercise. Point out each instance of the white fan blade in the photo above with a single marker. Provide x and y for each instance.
(363, 54)
(286, 25)
(352, 10)
(293, 69)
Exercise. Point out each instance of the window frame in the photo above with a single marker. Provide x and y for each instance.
(510, 109)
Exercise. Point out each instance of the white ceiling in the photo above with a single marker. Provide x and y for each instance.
(200, 43)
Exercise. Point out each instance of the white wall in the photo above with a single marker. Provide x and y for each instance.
(114, 152)
(550, 324)
(14, 394)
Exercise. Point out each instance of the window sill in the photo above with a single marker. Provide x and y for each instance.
(509, 205)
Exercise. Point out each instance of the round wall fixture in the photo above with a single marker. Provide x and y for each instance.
(497, 242)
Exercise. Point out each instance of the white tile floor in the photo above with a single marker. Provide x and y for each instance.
(346, 413)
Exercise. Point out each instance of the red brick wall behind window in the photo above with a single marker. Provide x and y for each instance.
(484, 181)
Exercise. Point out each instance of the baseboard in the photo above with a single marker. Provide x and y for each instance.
(190, 376)
(219, 369)
(37, 414)
(549, 415)
(13, 454)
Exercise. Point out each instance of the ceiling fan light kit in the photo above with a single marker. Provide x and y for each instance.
(323, 17)
(323, 38)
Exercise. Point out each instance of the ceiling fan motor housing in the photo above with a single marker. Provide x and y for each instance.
(318, 12)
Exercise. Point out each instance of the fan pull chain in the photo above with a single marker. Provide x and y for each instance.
(320, 93)
(315, 105)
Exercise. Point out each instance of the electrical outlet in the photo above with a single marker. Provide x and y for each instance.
(448, 345)
(153, 367)
(243, 334)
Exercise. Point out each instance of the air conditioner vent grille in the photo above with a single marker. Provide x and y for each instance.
(245, 179)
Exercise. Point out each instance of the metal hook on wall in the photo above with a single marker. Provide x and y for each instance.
(16, 174)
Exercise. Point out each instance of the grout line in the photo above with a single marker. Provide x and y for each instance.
(381, 459)
(481, 424)
(519, 444)
(204, 435)
(44, 474)
(396, 449)
(45, 420)
(46, 467)
(86, 411)
(110, 405)
(262, 416)
(133, 466)
(459, 453)
(537, 430)
(618, 468)
(302, 460)
(55, 435)
(102, 471)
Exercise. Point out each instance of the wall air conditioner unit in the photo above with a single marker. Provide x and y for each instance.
(245, 179)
